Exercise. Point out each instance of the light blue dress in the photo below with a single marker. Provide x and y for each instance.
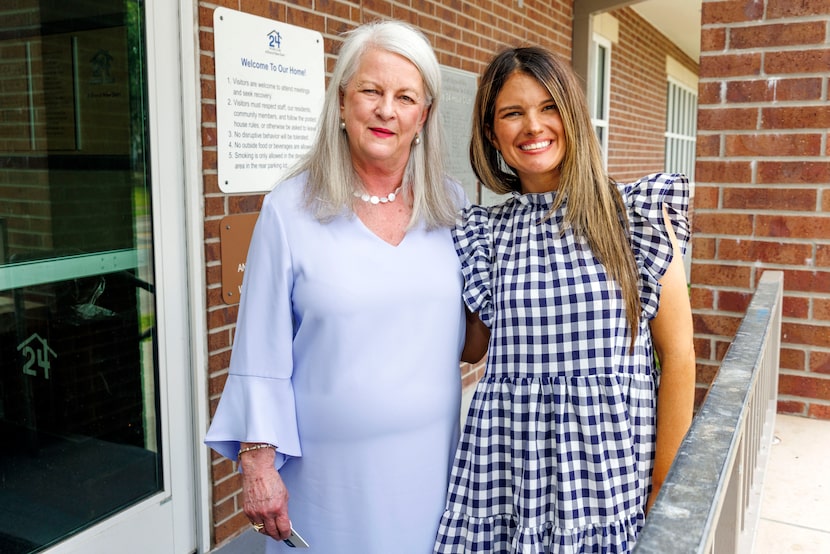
(346, 356)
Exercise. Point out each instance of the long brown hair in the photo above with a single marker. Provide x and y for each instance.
(595, 206)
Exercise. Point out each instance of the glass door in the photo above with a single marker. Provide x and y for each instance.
(80, 400)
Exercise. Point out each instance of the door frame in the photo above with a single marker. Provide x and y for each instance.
(176, 519)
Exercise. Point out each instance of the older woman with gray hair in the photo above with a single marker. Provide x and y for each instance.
(344, 386)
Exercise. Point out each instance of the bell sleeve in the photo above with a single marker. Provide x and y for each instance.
(650, 239)
(257, 404)
(472, 238)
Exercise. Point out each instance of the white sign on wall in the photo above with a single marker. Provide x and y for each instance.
(458, 92)
(270, 80)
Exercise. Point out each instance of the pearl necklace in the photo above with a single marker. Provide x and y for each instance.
(372, 199)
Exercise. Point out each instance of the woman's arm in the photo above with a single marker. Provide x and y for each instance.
(476, 339)
(672, 333)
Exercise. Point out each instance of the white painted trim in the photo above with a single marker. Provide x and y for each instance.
(682, 75)
(194, 218)
(164, 94)
(607, 26)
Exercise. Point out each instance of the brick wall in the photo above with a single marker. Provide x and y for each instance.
(763, 186)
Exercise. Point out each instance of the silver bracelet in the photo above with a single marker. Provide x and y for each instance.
(255, 447)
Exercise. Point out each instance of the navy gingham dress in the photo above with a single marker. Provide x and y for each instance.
(558, 447)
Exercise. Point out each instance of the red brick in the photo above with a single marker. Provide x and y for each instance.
(226, 509)
(720, 223)
(219, 340)
(708, 146)
(790, 358)
(823, 255)
(819, 411)
(712, 40)
(806, 88)
(230, 528)
(705, 373)
(793, 172)
(803, 333)
(334, 9)
(710, 93)
(719, 325)
(245, 204)
(791, 407)
(722, 275)
(807, 281)
(773, 144)
(777, 34)
(730, 65)
(706, 196)
(733, 301)
(801, 227)
(305, 19)
(778, 199)
(227, 487)
(788, 62)
(765, 252)
(820, 362)
(700, 395)
(209, 160)
(702, 298)
(804, 387)
(723, 171)
(207, 65)
(208, 136)
(750, 91)
(727, 119)
(214, 206)
(821, 309)
(777, 9)
(795, 307)
(703, 348)
(222, 469)
(800, 117)
(733, 11)
(721, 348)
(704, 248)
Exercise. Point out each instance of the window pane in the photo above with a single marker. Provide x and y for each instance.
(78, 378)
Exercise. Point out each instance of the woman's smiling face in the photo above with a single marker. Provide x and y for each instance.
(528, 132)
(383, 106)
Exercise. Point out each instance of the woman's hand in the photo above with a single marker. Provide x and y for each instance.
(265, 498)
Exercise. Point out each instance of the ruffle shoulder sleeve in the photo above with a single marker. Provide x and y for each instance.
(473, 244)
(650, 240)
(257, 403)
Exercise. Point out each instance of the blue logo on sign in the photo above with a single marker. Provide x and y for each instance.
(274, 40)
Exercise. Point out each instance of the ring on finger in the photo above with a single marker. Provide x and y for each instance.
(258, 527)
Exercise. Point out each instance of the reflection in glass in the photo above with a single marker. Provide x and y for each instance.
(78, 379)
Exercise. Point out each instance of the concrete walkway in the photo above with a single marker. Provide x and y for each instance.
(795, 502)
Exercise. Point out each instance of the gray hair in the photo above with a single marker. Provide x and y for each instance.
(331, 175)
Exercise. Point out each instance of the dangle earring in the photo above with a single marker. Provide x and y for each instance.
(417, 140)
(342, 125)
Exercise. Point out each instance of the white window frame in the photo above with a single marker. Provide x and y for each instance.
(681, 128)
(600, 91)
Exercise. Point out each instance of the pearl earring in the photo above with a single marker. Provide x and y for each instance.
(342, 125)
(417, 140)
